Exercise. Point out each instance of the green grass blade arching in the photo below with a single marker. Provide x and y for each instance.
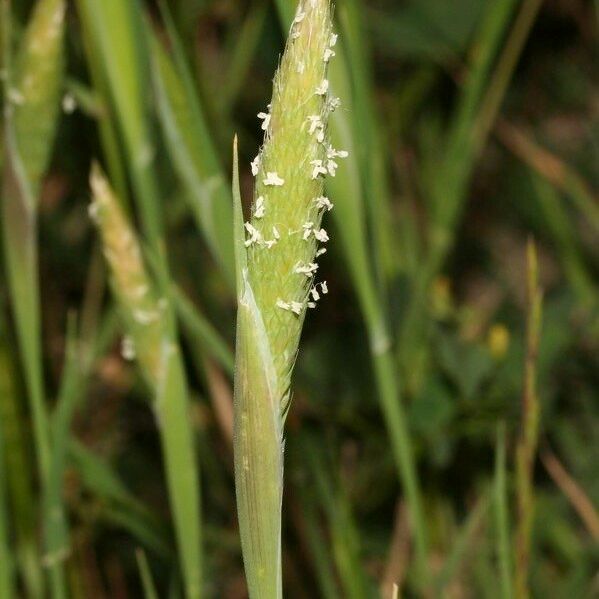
(120, 507)
(116, 44)
(202, 332)
(194, 156)
(55, 523)
(462, 544)
(245, 43)
(181, 467)
(145, 574)
(373, 156)
(345, 535)
(320, 557)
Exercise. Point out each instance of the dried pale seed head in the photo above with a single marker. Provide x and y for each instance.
(289, 199)
(143, 311)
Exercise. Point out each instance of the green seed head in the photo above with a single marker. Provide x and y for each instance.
(141, 308)
(276, 273)
(285, 236)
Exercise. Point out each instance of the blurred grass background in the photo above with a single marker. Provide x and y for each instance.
(412, 453)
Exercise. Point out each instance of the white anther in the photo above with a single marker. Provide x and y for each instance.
(323, 88)
(259, 210)
(93, 210)
(264, 116)
(324, 288)
(332, 153)
(332, 167)
(128, 348)
(68, 103)
(145, 317)
(273, 179)
(314, 293)
(321, 235)
(306, 269)
(307, 229)
(323, 203)
(333, 104)
(297, 307)
(283, 305)
(328, 54)
(139, 291)
(15, 96)
(255, 236)
(318, 168)
(276, 233)
(256, 164)
(321, 251)
(315, 123)
(333, 39)
(311, 304)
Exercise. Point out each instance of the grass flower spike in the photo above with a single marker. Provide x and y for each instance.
(140, 307)
(289, 200)
(276, 262)
(152, 341)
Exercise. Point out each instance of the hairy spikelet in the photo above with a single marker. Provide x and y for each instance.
(276, 253)
(141, 308)
(285, 229)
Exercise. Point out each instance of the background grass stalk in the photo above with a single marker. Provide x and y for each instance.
(18, 474)
(529, 429)
(7, 582)
(501, 513)
(31, 105)
(32, 89)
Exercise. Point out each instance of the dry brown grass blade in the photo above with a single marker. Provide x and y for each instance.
(399, 554)
(573, 491)
(549, 166)
(221, 396)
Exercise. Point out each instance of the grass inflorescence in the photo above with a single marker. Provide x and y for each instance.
(277, 255)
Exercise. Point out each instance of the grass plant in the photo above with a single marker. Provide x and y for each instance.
(176, 420)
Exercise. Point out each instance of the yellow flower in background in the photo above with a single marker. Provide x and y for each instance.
(498, 341)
